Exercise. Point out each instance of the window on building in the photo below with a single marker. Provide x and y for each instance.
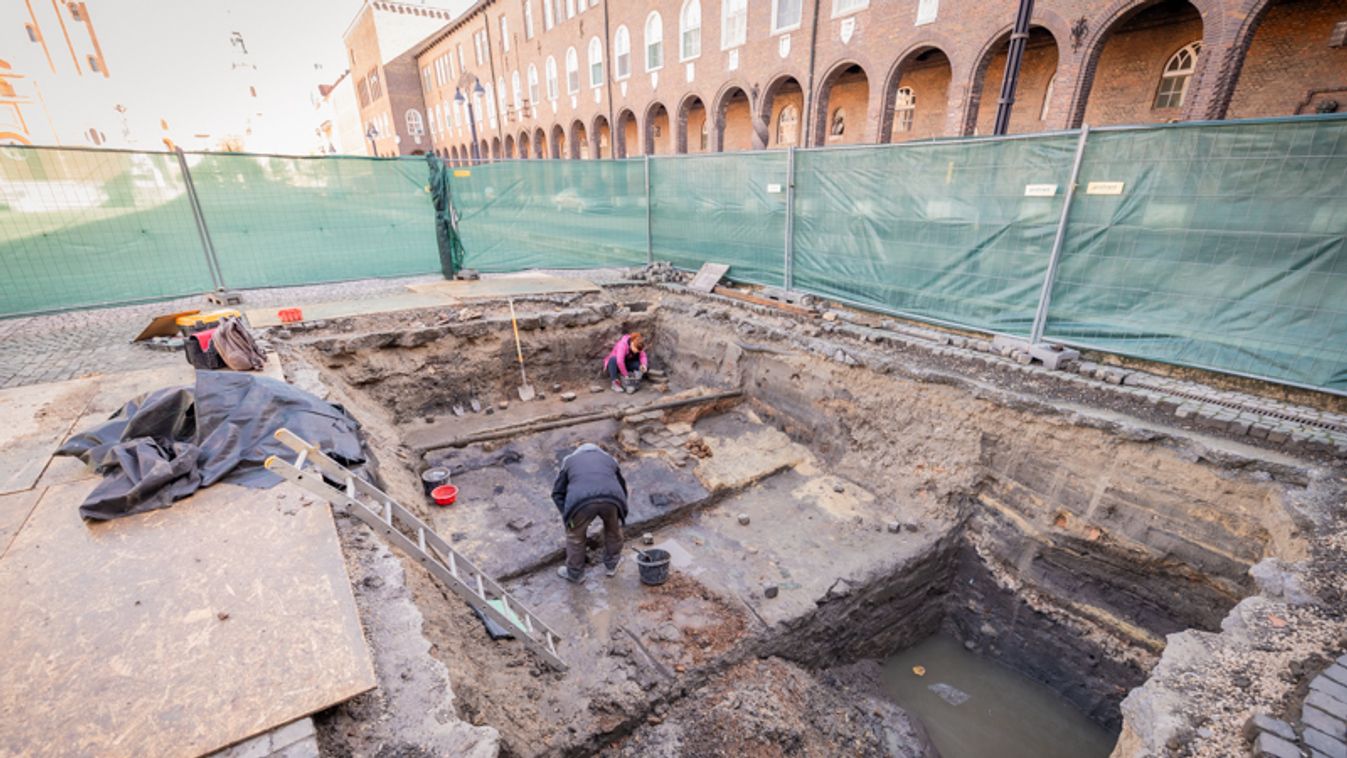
(843, 7)
(690, 30)
(533, 87)
(1047, 98)
(93, 65)
(32, 32)
(415, 126)
(528, 19)
(654, 42)
(479, 45)
(788, 126)
(622, 53)
(837, 125)
(425, 78)
(1178, 72)
(430, 122)
(705, 137)
(504, 35)
(552, 93)
(595, 62)
(733, 23)
(518, 92)
(503, 94)
(460, 57)
(785, 15)
(904, 108)
(570, 8)
(548, 21)
(572, 71)
(375, 91)
(559, 10)
(362, 91)
(490, 105)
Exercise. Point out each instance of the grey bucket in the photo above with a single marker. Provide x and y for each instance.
(654, 566)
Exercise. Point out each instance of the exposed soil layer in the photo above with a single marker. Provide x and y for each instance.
(886, 495)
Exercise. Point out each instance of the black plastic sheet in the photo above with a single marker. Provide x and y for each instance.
(165, 445)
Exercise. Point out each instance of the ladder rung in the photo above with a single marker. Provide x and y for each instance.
(480, 592)
(388, 513)
(453, 567)
(528, 622)
(421, 539)
(350, 487)
(550, 644)
(301, 458)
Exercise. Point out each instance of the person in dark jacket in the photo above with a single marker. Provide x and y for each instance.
(590, 486)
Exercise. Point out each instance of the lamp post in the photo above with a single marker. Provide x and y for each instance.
(371, 134)
(460, 98)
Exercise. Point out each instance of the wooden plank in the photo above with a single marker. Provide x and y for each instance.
(14, 510)
(708, 276)
(175, 632)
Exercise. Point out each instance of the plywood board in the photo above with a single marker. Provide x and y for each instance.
(174, 632)
(506, 286)
(708, 276)
(14, 510)
(33, 422)
(402, 301)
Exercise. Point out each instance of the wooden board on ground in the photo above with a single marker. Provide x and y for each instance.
(402, 301)
(506, 286)
(708, 276)
(14, 510)
(175, 632)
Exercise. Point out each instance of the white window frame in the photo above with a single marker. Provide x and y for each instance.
(478, 53)
(572, 71)
(658, 42)
(460, 57)
(548, 21)
(490, 105)
(780, 119)
(728, 10)
(570, 8)
(847, 7)
(904, 109)
(683, 54)
(595, 61)
(553, 90)
(517, 89)
(776, 27)
(502, 94)
(621, 51)
(528, 19)
(504, 34)
(1194, 50)
(534, 92)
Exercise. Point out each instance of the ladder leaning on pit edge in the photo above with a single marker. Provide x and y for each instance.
(389, 518)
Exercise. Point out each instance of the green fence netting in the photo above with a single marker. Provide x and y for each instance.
(1225, 249)
(551, 214)
(958, 232)
(724, 208)
(85, 227)
(283, 221)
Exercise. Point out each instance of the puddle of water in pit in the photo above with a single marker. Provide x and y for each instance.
(973, 707)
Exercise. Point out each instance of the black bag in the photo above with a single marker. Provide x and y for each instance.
(208, 359)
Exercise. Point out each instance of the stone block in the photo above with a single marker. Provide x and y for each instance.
(1313, 717)
(293, 732)
(1329, 687)
(1269, 745)
(1262, 722)
(1322, 743)
(1337, 672)
(1332, 706)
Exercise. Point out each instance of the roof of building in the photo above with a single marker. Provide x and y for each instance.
(450, 27)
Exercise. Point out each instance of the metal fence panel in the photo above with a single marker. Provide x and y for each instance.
(94, 227)
(551, 214)
(283, 221)
(951, 232)
(1225, 249)
(728, 208)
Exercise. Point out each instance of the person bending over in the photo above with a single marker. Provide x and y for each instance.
(627, 362)
(589, 486)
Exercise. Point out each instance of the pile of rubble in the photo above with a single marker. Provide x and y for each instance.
(660, 271)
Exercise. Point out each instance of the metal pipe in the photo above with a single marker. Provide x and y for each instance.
(789, 269)
(1045, 295)
(1018, 37)
(207, 247)
(809, 87)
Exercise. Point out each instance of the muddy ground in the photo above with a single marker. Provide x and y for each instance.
(892, 489)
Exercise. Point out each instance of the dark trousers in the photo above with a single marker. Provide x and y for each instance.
(633, 363)
(579, 524)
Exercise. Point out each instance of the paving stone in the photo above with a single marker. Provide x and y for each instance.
(1313, 717)
(1262, 722)
(1330, 688)
(1337, 672)
(1332, 706)
(1320, 742)
(1269, 745)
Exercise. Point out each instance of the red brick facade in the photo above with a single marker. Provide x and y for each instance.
(836, 79)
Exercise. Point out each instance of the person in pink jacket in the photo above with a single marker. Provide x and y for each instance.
(626, 360)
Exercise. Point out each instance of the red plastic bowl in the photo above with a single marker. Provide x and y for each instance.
(445, 494)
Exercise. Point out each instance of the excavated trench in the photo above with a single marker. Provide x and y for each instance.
(886, 504)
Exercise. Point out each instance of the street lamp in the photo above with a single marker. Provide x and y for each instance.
(472, 118)
(372, 133)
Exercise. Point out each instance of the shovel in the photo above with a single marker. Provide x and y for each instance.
(526, 392)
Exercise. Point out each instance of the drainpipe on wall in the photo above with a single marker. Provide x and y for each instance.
(809, 88)
(612, 68)
(1019, 36)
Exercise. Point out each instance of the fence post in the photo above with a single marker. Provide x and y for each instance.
(207, 246)
(1044, 296)
(649, 241)
(789, 271)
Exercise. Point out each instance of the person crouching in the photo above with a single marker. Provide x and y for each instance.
(589, 486)
(627, 362)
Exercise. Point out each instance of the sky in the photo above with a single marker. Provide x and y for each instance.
(173, 60)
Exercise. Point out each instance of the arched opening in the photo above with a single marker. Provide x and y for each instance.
(524, 145)
(579, 140)
(692, 126)
(1288, 69)
(734, 121)
(453, 157)
(1033, 89)
(658, 136)
(917, 98)
(1145, 66)
(509, 146)
(495, 148)
(604, 145)
(558, 142)
(783, 107)
(628, 135)
(539, 144)
(843, 101)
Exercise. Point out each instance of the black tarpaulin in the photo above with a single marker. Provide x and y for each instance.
(164, 446)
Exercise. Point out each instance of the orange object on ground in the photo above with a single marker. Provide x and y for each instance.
(290, 315)
(445, 494)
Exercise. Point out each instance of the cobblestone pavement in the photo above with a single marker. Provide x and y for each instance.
(55, 347)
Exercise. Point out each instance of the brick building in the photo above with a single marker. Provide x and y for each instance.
(596, 78)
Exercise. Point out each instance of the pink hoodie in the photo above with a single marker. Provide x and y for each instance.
(620, 352)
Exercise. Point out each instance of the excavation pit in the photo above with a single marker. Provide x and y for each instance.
(887, 499)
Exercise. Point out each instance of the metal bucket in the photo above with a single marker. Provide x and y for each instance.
(654, 566)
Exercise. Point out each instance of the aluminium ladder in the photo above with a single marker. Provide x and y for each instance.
(385, 516)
